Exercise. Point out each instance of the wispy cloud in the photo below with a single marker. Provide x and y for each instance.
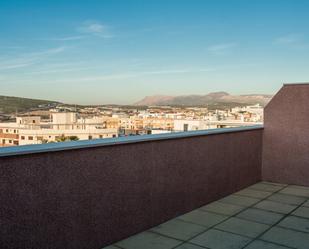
(50, 51)
(221, 48)
(289, 39)
(95, 28)
(292, 41)
(85, 30)
(66, 38)
(28, 59)
(127, 75)
(14, 65)
(61, 70)
(177, 71)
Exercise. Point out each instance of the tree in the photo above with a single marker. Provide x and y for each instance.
(64, 138)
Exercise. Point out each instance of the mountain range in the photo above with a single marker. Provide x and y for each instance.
(211, 99)
(216, 100)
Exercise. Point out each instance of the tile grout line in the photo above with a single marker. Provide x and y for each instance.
(302, 217)
(234, 215)
(293, 229)
(231, 216)
(273, 225)
(228, 217)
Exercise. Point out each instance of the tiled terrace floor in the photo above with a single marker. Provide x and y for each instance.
(263, 216)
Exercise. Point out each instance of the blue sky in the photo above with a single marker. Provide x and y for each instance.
(99, 51)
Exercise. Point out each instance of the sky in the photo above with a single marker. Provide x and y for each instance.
(113, 51)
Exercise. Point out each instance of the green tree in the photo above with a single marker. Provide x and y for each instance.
(64, 138)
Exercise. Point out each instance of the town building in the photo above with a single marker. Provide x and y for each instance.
(65, 126)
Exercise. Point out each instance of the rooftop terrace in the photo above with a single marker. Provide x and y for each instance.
(204, 188)
(263, 216)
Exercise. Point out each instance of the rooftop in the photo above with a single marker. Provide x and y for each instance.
(263, 216)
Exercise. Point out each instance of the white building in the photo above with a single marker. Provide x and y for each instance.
(64, 126)
(64, 120)
(155, 131)
(192, 125)
(255, 109)
(40, 136)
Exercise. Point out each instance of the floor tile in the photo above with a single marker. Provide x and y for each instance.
(298, 191)
(222, 208)
(275, 206)
(259, 244)
(242, 227)
(252, 215)
(254, 193)
(148, 240)
(239, 200)
(189, 246)
(306, 204)
(287, 237)
(302, 211)
(296, 223)
(275, 183)
(215, 239)
(301, 187)
(261, 216)
(203, 218)
(266, 187)
(286, 199)
(179, 229)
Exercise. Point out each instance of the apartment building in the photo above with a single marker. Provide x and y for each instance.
(192, 125)
(9, 134)
(39, 136)
(64, 126)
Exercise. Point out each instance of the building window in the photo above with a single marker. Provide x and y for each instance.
(33, 121)
(3, 141)
(114, 135)
(15, 142)
(10, 141)
(30, 138)
(22, 137)
(89, 137)
(101, 136)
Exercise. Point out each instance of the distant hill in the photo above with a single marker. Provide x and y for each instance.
(215, 99)
(15, 104)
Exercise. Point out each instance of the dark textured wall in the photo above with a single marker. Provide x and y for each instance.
(88, 198)
(286, 136)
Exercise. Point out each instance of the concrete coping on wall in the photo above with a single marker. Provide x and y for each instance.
(62, 146)
(296, 84)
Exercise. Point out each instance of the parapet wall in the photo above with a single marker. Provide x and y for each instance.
(286, 136)
(89, 197)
